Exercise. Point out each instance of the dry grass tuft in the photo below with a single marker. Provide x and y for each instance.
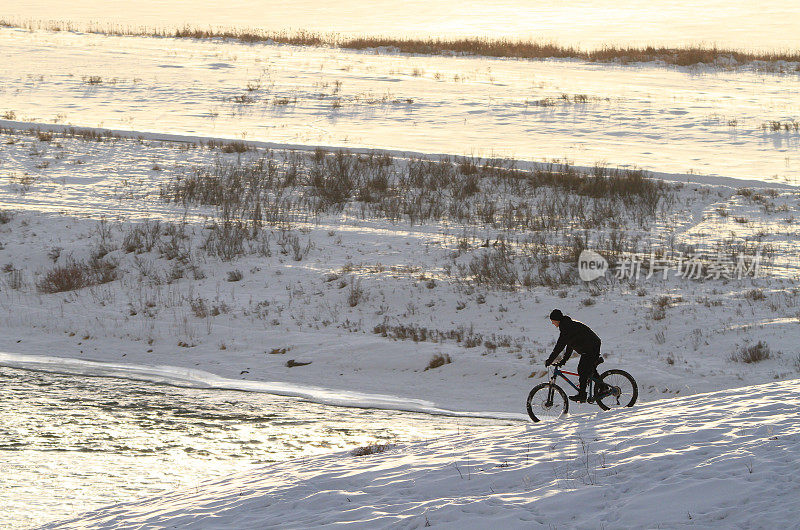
(371, 449)
(752, 353)
(76, 275)
(438, 360)
(234, 147)
(755, 295)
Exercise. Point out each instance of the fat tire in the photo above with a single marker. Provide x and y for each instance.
(629, 377)
(558, 394)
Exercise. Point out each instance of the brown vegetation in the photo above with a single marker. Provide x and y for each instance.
(557, 204)
(490, 47)
(752, 353)
(77, 275)
(438, 360)
(371, 449)
(279, 189)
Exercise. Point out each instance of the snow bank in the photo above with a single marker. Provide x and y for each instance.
(722, 459)
(399, 155)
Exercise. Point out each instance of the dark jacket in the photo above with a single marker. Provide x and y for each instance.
(576, 336)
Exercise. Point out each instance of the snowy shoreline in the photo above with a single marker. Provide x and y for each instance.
(184, 377)
(683, 178)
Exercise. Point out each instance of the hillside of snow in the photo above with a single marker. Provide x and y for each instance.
(385, 230)
(370, 293)
(724, 459)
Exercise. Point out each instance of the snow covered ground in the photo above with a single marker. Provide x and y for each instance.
(367, 300)
(357, 271)
(725, 459)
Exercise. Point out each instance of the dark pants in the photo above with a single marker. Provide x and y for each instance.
(587, 367)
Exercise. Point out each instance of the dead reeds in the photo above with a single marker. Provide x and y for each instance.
(77, 275)
(281, 188)
(484, 46)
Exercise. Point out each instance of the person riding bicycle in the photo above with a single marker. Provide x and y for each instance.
(579, 337)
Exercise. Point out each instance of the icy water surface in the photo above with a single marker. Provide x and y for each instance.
(72, 443)
(740, 124)
(769, 24)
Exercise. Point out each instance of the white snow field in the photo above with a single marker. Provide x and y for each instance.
(724, 459)
(370, 301)
(374, 229)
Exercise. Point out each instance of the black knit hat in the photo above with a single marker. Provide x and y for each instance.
(556, 315)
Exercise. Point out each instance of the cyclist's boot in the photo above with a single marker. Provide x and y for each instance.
(601, 390)
(580, 397)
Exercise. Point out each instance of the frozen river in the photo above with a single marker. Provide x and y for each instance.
(72, 443)
(739, 123)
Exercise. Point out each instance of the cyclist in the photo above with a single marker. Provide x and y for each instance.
(579, 337)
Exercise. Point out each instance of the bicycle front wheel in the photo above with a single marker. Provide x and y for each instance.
(622, 390)
(547, 402)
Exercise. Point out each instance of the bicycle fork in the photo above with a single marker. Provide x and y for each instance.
(551, 390)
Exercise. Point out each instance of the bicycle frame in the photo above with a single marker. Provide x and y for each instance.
(557, 372)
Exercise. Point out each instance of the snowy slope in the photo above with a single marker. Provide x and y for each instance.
(724, 459)
(300, 310)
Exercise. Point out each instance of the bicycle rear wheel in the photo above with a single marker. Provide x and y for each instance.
(622, 390)
(547, 402)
